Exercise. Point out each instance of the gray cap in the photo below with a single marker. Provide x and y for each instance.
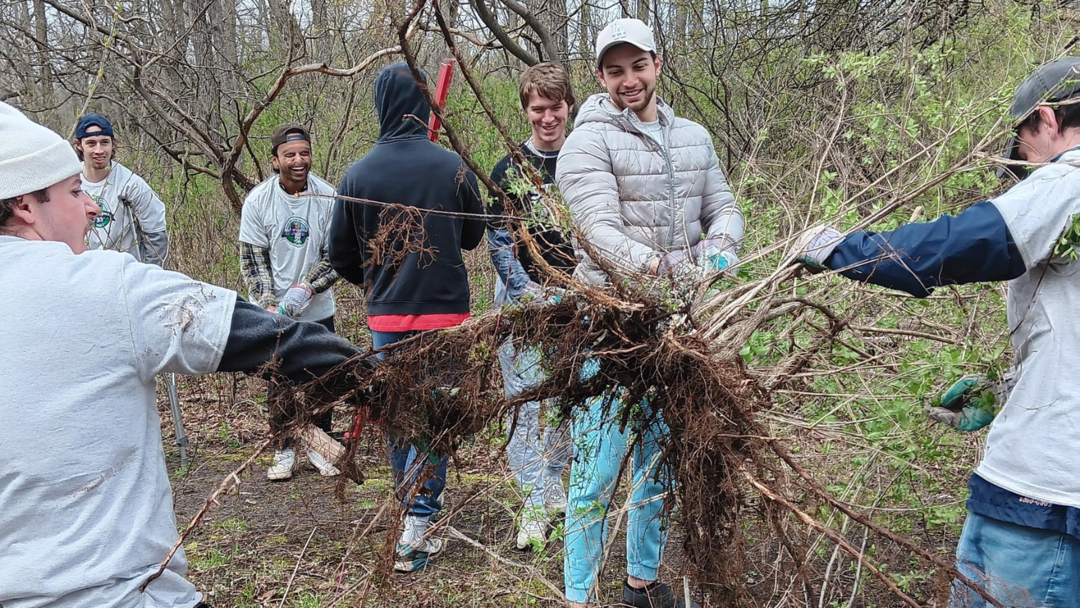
(624, 31)
(1055, 81)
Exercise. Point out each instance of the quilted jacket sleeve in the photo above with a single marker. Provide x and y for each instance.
(720, 215)
(588, 186)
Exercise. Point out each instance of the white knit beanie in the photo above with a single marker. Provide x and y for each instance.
(32, 157)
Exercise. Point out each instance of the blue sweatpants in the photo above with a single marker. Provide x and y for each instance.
(599, 449)
(405, 460)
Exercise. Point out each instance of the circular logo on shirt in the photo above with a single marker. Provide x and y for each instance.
(104, 217)
(296, 231)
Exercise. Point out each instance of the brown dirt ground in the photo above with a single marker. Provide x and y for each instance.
(250, 548)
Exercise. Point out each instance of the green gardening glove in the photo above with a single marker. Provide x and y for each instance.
(968, 405)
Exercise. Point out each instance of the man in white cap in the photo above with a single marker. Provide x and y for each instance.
(646, 190)
(131, 216)
(86, 511)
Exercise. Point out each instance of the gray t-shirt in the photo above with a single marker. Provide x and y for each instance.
(125, 199)
(86, 512)
(1033, 448)
(655, 131)
(295, 230)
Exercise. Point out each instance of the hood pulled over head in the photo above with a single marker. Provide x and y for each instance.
(403, 111)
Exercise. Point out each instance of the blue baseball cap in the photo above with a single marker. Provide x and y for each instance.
(93, 120)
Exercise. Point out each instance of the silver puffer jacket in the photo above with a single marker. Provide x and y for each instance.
(635, 199)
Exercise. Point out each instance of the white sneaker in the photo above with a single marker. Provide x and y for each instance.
(555, 497)
(284, 463)
(532, 531)
(325, 468)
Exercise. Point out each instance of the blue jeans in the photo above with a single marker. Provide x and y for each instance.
(599, 449)
(1020, 566)
(405, 461)
(537, 462)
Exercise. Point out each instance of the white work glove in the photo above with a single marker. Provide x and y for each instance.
(536, 293)
(295, 301)
(814, 246)
(716, 255)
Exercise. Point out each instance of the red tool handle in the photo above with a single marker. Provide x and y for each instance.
(442, 90)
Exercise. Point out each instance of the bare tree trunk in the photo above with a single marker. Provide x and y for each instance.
(586, 39)
(642, 11)
(552, 14)
(45, 77)
(285, 34)
(320, 31)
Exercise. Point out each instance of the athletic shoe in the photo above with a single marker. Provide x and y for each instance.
(325, 468)
(555, 497)
(656, 595)
(411, 559)
(532, 529)
(284, 463)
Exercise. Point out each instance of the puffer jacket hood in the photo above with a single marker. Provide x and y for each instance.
(599, 108)
(636, 195)
(403, 111)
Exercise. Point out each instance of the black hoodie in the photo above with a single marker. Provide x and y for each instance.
(406, 168)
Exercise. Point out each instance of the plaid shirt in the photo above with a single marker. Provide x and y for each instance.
(255, 267)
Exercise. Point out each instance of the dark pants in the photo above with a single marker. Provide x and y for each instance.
(324, 421)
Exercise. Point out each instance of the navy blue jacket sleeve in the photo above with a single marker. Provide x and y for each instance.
(972, 247)
(343, 244)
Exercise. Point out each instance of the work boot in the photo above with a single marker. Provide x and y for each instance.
(655, 595)
(532, 529)
(411, 559)
(323, 465)
(284, 463)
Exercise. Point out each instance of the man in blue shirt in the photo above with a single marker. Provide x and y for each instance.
(1021, 540)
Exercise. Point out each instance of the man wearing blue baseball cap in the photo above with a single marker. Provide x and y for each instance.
(1021, 539)
(132, 216)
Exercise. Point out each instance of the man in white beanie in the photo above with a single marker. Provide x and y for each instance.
(86, 512)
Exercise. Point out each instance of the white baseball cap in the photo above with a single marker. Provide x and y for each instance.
(632, 31)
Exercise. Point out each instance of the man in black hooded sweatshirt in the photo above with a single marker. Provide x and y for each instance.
(417, 291)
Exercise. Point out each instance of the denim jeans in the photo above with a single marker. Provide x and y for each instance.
(599, 449)
(406, 461)
(1020, 566)
(537, 462)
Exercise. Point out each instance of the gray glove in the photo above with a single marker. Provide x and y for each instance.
(814, 246)
(295, 300)
(672, 260)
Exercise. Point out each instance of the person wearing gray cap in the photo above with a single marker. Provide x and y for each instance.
(646, 190)
(1021, 540)
(86, 508)
(132, 215)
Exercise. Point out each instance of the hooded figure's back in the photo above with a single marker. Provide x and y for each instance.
(405, 168)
